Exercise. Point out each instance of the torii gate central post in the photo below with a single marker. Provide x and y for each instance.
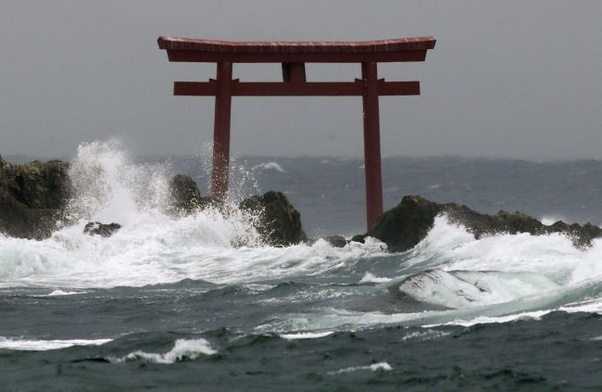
(293, 56)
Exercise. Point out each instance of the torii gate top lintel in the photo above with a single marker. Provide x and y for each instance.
(294, 56)
(390, 50)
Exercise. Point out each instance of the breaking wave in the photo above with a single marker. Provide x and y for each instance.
(450, 277)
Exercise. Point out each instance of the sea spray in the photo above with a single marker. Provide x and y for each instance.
(243, 178)
(108, 186)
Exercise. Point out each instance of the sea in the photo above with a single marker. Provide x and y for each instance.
(182, 304)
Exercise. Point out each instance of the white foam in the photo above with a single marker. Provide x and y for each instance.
(428, 334)
(163, 250)
(384, 366)
(452, 248)
(184, 349)
(59, 293)
(536, 315)
(270, 166)
(460, 289)
(305, 335)
(152, 247)
(588, 306)
(370, 278)
(43, 345)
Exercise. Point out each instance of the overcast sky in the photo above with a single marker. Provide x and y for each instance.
(511, 78)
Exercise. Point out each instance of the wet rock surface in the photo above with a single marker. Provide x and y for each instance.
(185, 196)
(32, 197)
(279, 223)
(102, 229)
(404, 226)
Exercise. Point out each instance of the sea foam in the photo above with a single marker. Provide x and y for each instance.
(44, 345)
(153, 247)
(183, 350)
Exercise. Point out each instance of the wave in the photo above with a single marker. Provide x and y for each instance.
(45, 345)
(449, 276)
(459, 289)
(183, 350)
(382, 366)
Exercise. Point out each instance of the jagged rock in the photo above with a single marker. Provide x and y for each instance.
(404, 226)
(104, 230)
(278, 222)
(185, 196)
(3, 163)
(32, 197)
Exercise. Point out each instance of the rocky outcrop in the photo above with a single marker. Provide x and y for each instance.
(404, 226)
(278, 222)
(185, 197)
(101, 229)
(32, 197)
(273, 216)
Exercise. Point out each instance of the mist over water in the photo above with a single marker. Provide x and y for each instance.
(169, 290)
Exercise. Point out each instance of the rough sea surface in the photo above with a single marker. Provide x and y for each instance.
(170, 304)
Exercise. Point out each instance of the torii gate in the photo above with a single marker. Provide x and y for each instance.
(293, 56)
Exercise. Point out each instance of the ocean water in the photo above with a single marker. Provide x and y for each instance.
(170, 304)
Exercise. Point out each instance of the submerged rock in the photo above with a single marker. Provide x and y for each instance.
(404, 226)
(278, 222)
(33, 197)
(104, 230)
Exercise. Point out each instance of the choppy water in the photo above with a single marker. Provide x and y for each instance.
(170, 304)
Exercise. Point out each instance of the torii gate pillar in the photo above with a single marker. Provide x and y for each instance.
(372, 160)
(293, 56)
(221, 132)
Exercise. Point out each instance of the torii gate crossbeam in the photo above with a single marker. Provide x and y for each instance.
(293, 56)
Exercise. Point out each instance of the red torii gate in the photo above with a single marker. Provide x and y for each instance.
(293, 56)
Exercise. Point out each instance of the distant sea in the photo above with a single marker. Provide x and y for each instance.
(170, 304)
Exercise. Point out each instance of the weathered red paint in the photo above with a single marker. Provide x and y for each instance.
(372, 161)
(294, 56)
(294, 72)
(221, 132)
(278, 89)
(295, 52)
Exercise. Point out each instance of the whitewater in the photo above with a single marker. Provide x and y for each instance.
(174, 303)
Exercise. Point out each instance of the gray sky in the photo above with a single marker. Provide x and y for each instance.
(512, 78)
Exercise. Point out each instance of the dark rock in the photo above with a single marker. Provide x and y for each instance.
(97, 228)
(3, 163)
(404, 226)
(185, 197)
(278, 222)
(32, 197)
(338, 241)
